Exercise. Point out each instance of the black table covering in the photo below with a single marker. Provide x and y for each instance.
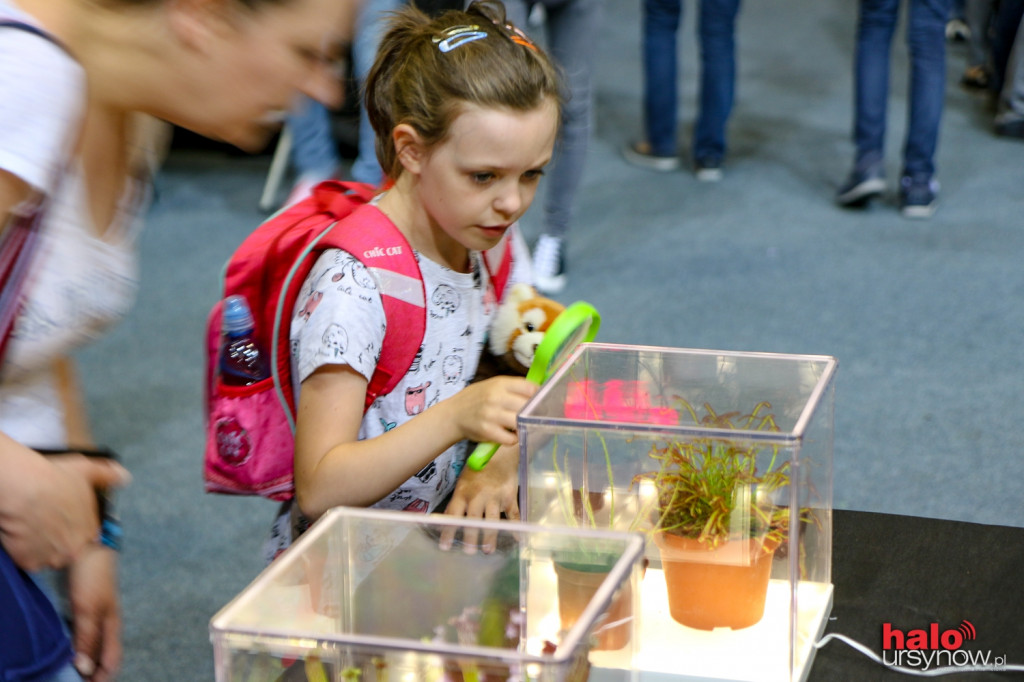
(911, 572)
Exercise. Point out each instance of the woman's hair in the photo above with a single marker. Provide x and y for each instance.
(251, 4)
(428, 69)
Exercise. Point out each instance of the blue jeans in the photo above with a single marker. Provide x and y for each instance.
(1011, 95)
(1005, 24)
(67, 673)
(571, 29)
(978, 17)
(369, 30)
(926, 40)
(716, 30)
(314, 151)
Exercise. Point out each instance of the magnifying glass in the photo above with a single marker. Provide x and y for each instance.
(577, 324)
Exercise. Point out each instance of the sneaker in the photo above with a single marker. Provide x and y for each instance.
(957, 31)
(976, 78)
(861, 186)
(918, 196)
(640, 154)
(549, 264)
(708, 169)
(1010, 126)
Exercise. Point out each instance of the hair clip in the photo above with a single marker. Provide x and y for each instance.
(456, 36)
(519, 38)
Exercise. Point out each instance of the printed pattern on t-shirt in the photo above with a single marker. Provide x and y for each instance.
(339, 319)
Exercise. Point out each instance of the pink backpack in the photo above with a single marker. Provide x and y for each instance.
(250, 429)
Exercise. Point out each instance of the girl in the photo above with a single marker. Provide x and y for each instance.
(465, 111)
(73, 153)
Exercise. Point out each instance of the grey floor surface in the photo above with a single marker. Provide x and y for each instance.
(924, 317)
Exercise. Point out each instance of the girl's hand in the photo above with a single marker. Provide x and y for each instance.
(488, 494)
(486, 411)
(334, 467)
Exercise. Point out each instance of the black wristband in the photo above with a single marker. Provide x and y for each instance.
(111, 533)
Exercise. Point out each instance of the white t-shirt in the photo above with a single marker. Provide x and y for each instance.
(42, 95)
(81, 285)
(81, 282)
(339, 319)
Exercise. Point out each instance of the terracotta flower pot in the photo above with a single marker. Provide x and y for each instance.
(575, 590)
(715, 588)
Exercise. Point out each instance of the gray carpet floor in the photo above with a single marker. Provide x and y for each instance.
(924, 317)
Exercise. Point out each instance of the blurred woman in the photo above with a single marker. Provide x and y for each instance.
(82, 83)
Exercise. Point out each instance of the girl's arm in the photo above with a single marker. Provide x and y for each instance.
(333, 467)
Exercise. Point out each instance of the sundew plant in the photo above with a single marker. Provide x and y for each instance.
(711, 489)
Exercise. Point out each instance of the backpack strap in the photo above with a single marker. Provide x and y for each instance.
(337, 215)
(335, 197)
(32, 28)
(18, 243)
(18, 239)
(390, 260)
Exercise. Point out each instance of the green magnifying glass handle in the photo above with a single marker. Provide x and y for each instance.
(482, 454)
(579, 322)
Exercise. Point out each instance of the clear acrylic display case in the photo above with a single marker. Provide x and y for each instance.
(374, 595)
(615, 422)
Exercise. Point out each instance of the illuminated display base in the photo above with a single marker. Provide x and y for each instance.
(670, 652)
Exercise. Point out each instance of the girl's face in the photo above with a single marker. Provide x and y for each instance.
(483, 176)
(254, 63)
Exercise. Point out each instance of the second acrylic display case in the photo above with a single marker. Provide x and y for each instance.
(372, 596)
(724, 461)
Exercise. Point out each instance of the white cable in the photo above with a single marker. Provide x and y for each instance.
(934, 672)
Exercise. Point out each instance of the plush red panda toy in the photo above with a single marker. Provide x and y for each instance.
(520, 323)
